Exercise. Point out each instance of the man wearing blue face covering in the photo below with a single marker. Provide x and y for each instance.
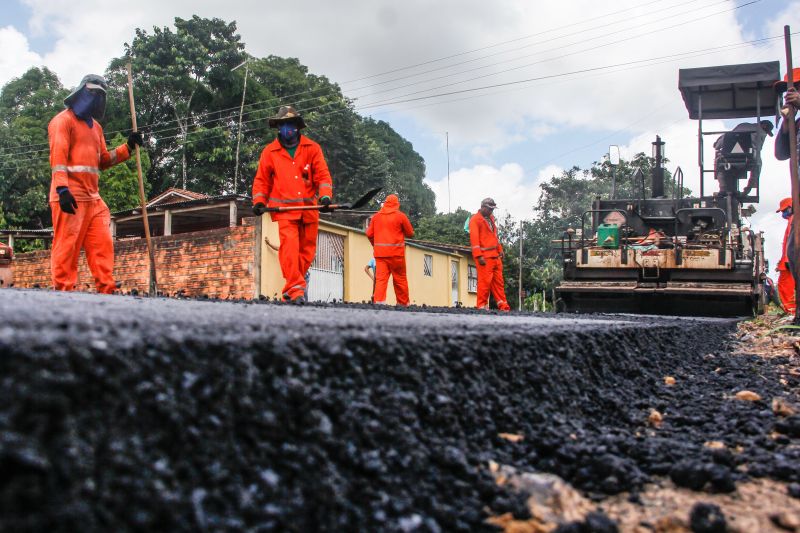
(81, 218)
(292, 172)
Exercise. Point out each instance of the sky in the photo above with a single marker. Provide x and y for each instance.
(505, 93)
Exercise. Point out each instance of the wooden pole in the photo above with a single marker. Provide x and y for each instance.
(153, 289)
(790, 122)
(520, 264)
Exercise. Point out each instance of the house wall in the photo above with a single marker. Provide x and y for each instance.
(467, 299)
(218, 263)
(432, 290)
(232, 262)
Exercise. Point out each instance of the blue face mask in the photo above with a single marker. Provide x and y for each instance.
(289, 135)
(786, 213)
(88, 105)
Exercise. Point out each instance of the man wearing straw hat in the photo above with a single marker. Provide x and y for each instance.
(292, 172)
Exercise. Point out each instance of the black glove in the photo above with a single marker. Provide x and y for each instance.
(325, 201)
(66, 200)
(135, 139)
(259, 209)
(786, 264)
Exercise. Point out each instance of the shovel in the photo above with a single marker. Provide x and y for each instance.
(361, 202)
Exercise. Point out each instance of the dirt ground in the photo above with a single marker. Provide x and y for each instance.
(758, 505)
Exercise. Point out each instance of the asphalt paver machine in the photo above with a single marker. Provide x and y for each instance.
(675, 255)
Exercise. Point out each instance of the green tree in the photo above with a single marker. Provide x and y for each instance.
(444, 227)
(181, 79)
(187, 91)
(27, 104)
(405, 170)
(119, 185)
(187, 101)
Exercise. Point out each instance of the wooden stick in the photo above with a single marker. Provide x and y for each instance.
(790, 122)
(153, 284)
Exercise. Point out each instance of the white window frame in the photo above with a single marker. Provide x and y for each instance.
(472, 278)
(427, 265)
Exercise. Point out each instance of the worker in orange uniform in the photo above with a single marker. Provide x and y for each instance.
(292, 172)
(387, 231)
(488, 254)
(785, 279)
(81, 218)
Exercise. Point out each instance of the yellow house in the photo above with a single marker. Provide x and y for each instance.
(438, 274)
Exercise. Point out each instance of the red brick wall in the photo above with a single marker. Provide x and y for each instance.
(218, 263)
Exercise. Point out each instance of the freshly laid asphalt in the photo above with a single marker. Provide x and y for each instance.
(124, 413)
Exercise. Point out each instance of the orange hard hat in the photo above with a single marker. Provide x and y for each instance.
(785, 204)
(780, 86)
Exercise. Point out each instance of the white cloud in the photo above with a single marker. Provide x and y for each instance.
(371, 37)
(16, 56)
(507, 185)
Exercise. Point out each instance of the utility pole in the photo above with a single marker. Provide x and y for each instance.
(447, 145)
(239, 130)
(521, 223)
(613, 160)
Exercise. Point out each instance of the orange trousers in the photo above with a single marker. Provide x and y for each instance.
(786, 291)
(89, 229)
(490, 279)
(296, 253)
(395, 267)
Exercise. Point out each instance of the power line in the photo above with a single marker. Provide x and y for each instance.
(276, 99)
(605, 34)
(629, 64)
(568, 54)
(396, 102)
(459, 54)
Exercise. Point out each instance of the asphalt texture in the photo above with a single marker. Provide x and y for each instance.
(121, 413)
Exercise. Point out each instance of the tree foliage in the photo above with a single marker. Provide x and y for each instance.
(188, 99)
(120, 183)
(26, 106)
(444, 227)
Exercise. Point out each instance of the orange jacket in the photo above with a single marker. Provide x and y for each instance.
(784, 257)
(483, 236)
(282, 181)
(388, 230)
(77, 155)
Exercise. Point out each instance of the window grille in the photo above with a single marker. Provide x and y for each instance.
(472, 278)
(427, 265)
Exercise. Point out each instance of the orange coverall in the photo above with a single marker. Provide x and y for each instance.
(387, 232)
(77, 155)
(483, 238)
(283, 181)
(785, 279)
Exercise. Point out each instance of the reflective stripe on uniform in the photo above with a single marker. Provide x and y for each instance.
(489, 248)
(112, 157)
(259, 194)
(388, 244)
(328, 185)
(292, 201)
(76, 168)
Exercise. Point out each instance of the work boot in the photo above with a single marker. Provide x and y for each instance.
(299, 300)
